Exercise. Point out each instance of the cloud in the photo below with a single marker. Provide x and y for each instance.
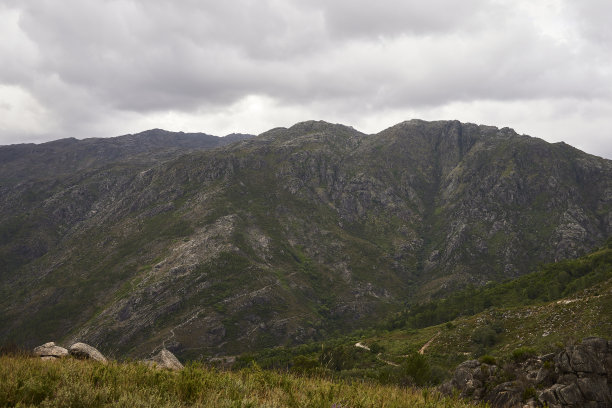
(93, 68)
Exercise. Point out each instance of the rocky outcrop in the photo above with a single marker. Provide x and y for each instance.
(584, 376)
(165, 359)
(578, 376)
(50, 350)
(84, 351)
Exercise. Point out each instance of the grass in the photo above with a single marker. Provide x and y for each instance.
(27, 381)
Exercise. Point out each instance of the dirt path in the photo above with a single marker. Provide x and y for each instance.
(422, 350)
(363, 346)
(378, 356)
(391, 363)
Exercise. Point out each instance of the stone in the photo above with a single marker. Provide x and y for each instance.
(165, 359)
(550, 397)
(546, 377)
(578, 376)
(507, 394)
(571, 395)
(84, 351)
(50, 350)
(595, 389)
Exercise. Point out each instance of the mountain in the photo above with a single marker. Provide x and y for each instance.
(290, 236)
(27, 161)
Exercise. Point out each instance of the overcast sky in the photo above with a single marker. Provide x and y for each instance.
(94, 68)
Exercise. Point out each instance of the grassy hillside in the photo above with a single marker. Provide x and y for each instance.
(28, 382)
(550, 282)
(512, 322)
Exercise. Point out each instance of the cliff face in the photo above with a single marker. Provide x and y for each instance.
(288, 236)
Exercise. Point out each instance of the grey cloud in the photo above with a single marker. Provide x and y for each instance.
(593, 18)
(363, 18)
(88, 62)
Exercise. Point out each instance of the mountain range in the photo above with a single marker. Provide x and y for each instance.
(212, 246)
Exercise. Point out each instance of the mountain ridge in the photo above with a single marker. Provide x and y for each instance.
(291, 235)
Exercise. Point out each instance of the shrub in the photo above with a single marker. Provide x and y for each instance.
(376, 348)
(416, 369)
(487, 359)
(304, 364)
(529, 392)
(484, 336)
(338, 358)
(523, 353)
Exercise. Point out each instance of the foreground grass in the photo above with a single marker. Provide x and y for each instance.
(71, 383)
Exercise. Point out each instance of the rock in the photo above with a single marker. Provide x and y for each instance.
(165, 359)
(550, 396)
(578, 376)
(507, 394)
(546, 376)
(532, 403)
(594, 388)
(50, 350)
(84, 351)
(571, 395)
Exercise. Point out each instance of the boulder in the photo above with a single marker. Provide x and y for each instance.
(50, 350)
(578, 376)
(165, 359)
(507, 394)
(84, 351)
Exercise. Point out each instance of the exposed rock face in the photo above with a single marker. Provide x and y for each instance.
(165, 359)
(50, 351)
(84, 351)
(584, 376)
(579, 376)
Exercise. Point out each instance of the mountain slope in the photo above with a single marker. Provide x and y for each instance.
(35, 176)
(292, 235)
(501, 319)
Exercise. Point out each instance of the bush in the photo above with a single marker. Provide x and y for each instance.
(523, 353)
(487, 359)
(485, 336)
(416, 369)
(304, 364)
(529, 392)
(376, 348)
(338, 358)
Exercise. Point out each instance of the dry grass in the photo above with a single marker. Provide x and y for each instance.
(26, 381)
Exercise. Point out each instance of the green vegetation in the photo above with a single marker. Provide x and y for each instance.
(551, 282)
(496, 334)
(28, 382)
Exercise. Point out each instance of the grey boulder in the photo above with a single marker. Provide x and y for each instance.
(50, 350)
(165, 359)
(84, 351)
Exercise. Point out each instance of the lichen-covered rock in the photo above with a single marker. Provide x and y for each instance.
(507, 394)
(165, 359)
(84, 351)
(50, 350)
(578, 376)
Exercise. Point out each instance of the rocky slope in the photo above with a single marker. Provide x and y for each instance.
(578, 376)
(288, 236)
